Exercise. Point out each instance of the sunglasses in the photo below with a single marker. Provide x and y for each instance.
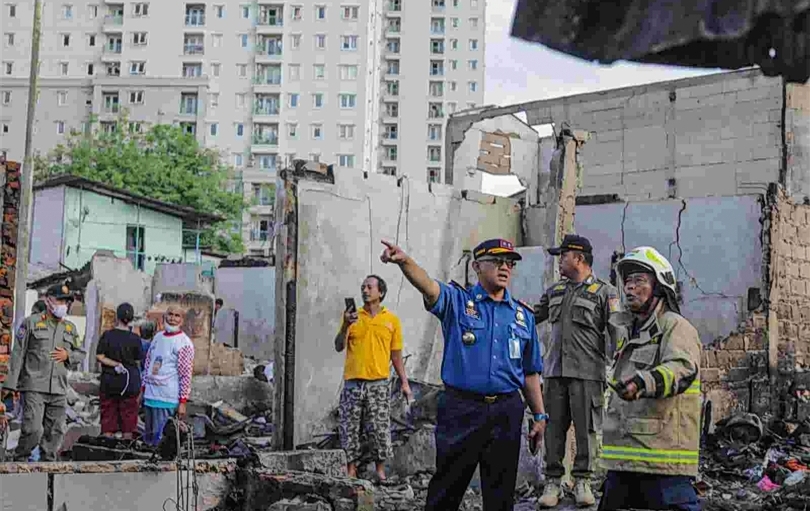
(498, 262)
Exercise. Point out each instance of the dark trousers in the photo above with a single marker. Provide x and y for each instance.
(470, 432)
(580, 401)
(632, 490)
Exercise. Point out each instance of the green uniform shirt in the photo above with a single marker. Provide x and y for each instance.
(32, 369)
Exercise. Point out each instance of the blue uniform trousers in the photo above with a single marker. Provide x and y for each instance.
(470, 432)
(633, 490)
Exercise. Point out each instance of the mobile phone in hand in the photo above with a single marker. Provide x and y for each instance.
(351, 306)
(534, 443)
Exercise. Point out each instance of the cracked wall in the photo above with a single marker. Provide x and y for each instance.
(340, 226)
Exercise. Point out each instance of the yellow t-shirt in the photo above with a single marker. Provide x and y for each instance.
(369, 345)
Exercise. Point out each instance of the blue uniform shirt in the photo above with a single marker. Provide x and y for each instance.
(501, 345)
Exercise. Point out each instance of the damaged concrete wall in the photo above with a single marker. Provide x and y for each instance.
(339, 231)
(251, 292)
(797, 140)
(181, 277)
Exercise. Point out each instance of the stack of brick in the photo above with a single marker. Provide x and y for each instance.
(8, 253)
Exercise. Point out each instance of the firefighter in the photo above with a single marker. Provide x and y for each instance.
(652, 426)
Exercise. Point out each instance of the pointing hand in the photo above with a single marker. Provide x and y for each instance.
(393, 254)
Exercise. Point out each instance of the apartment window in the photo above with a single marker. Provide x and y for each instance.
(241, 70)
(317, 132)
(351, 12)
(296, 12)
(192, 70)
(434, 153)
(434, 132)
(435, 111)
(472, 64)
(473, 86)
(263, 194)
(238, 160)
(243, 40)
(261, 226)
(63, 68)
(453, 86)
(433, 175)
(91, 40)
(295, 41)
(240, 100)
(6, 128)
(91, 69)
(216, 40)
(92, 11)
(453, 64)
(9, 40)
(219, 11)
(213, 129)
(216, 68)
(437, 25)
(136, 245)
(12, 10)
(394, 25)
(65, 40)
(140, 9)
(348, 100)
(137, 68)
(454, 44)
(292, 130)
(319, 71)
(437, 46)
(67, 12)
(111, 102)
(392, 45)
(188, 103)
(391, 153)
(454, 22)
(268, 162)
(213, 99)
(293, 100)
(348, 42)
(346, 131)
(436, 89)
(392, 109)
(240, 129)
(473, 44)
(8, 68)
(451, 107)
(320, 12)
(320, 41)
(473, 4)
(473, 22)
(246, 12)
(136, 97)
(395, 5)
(391, 132)
(436, 68)
(5, 97)
(346, 160)
(348, 72)
(189, 128)
(389, 171)
(392, 87)
(139, 38)
(317, 100)
(135, 127)
(392, 67)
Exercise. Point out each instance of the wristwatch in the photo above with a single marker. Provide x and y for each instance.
(541, 417)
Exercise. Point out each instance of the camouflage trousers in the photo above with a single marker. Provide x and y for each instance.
(365, 405)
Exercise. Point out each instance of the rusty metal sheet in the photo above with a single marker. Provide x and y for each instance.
(495, 153)
(728, 34)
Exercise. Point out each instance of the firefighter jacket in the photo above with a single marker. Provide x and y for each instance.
(659, 433)
(32, 369)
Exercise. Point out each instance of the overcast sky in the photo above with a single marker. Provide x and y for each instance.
(517, 71)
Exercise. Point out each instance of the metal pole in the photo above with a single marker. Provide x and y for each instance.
(27, 174)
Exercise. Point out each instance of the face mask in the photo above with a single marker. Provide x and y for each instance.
(59, 311)
(172, 329)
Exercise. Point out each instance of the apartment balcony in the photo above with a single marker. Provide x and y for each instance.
(189, 108)
(113, 49)
(267, 81)
(113, 22)
(257, 235)
(270, 19)
(195, 19)
(264, 141)
(265, 109)
(193, 49)
(269, 50)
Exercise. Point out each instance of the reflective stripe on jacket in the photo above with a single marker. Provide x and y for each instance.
(660, 432)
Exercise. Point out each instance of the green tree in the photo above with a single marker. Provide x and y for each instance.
(162, 162)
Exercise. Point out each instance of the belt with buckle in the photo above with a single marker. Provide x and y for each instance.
(475, 396)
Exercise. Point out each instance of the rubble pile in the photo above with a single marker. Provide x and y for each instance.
(746, 465)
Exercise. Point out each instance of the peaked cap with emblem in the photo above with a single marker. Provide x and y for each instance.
(572, 242)
(60, 292)
(496, 247)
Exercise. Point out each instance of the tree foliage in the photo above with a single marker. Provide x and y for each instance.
(162, 162)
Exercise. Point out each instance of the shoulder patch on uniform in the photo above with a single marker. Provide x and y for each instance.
(594, 288)
(20, 332)
(613, 304)
(68, 328)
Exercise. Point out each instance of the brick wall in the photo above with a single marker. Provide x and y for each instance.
(8, 256)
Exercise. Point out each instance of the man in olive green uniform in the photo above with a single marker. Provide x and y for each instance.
(574, 359)
(45, 346)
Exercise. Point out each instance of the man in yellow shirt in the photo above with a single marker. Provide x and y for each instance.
(372, 337)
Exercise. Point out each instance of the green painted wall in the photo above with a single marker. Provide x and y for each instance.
(96, 222)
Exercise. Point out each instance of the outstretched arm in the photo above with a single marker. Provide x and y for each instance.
(415, 274)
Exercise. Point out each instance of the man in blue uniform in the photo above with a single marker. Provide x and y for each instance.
(491, 352)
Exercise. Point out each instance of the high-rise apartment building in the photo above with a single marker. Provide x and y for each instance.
(357, 84)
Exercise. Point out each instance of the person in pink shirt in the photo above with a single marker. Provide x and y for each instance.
(167, 375)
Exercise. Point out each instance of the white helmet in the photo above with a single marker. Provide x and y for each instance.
(649, 258)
